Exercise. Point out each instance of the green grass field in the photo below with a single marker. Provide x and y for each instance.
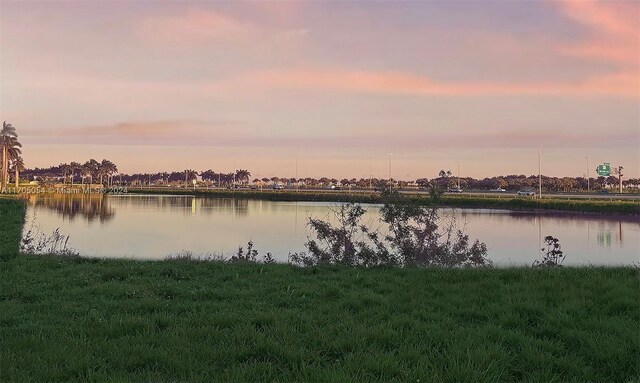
(76, 319)
(11, 220)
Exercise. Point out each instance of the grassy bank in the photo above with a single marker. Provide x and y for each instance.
(66, 319)
(587, 206)
(76, 319)
(11, 221)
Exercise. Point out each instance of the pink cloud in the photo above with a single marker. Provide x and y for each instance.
(196, 26)
(622, 84)
(614, 30)
(205, 26)
(178, 133)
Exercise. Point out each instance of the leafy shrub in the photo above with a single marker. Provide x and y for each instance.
(416, 235)
(552, 254)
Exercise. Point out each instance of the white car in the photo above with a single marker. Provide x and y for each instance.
(526, 193)
(500, 190)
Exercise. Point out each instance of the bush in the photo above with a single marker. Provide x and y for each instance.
(415, 236)
(552, 254)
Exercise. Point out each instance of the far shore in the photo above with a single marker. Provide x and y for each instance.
(562, 204)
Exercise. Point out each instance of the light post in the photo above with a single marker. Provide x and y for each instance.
(194, 182)
(390, 184)
(539, 174)
(620, 177)
(458, 162)
(588, 177)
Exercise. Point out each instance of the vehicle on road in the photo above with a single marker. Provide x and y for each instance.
(526, 193)
(603, 191)
(454, 190)
(498, 190)
(278, 187)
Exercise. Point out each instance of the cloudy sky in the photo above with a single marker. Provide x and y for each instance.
(333, 86)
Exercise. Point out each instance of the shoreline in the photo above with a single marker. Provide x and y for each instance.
(595, 207)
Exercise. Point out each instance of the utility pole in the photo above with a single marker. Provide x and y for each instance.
(458, 162)
(588, 177)
(620, 177)
(390, 185)
(539, 174)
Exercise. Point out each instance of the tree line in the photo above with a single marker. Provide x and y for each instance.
(106, 172)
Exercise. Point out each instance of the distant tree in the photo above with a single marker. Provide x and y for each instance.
(422, 182)
(10, 150)
(108, 169)
(444, 174)
(76, 169)
(18, 166)
(66, 169)
(243, 175)
(190, 175)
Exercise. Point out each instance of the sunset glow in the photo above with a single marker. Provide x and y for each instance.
(332, 86)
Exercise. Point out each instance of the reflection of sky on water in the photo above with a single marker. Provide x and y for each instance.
(156, 226)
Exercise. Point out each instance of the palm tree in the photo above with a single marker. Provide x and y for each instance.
(108, 169)
(190, 175)
(91, 168)
(243, 175)
(86, 171)
(10, 150)
(102, 170)
(18, 166)
(66, 169)
(74, 168)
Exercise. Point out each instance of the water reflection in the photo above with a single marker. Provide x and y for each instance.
(90, 207)
(156, 226)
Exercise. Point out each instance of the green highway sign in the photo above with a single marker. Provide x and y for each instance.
(604, 170)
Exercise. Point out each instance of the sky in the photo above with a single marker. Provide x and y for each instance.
(335, 88)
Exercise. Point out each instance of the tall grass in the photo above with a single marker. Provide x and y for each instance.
(12, 213)
(74, 319)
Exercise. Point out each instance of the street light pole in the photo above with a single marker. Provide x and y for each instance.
(390, 185)
(458, 162)
(588, 184)
(539, 174)
(620, 177)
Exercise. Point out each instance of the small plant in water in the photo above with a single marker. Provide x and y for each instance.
(552, 254)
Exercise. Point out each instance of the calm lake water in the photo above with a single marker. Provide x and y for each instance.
(154, 227)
